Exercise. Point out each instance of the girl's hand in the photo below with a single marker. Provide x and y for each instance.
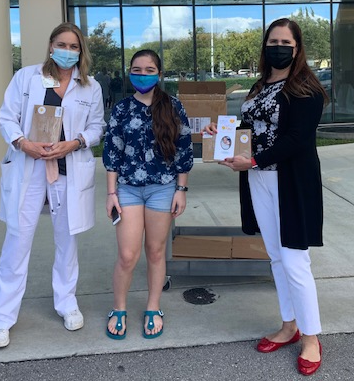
(112, 200)
(210, 129)
(179, 203)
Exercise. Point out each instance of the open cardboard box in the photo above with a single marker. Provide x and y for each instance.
(219, 247)
(248, 247)
(203, 100)
(193, 246)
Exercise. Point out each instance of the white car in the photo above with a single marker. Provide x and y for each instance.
(244, 72)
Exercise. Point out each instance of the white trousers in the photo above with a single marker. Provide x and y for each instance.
(291, 268)
(16, 249)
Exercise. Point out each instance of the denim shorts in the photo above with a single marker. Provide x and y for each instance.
(157, 197)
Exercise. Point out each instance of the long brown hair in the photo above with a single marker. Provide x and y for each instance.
(165, 120)
(50, 67)
(301, 82)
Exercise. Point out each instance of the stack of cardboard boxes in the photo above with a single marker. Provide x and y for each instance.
(204, 102)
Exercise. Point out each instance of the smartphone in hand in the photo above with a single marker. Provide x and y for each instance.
(115, 216)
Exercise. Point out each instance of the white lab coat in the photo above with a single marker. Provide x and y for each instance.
(83, 113)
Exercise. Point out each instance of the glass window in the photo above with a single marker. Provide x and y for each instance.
(102, 27)
(343, 57)
(167, 31)
(92, 3)
(314, 21)
(104, 3)
(229, 40)
(307, 2)
(227, 2)
(15, 38)
(157, 2)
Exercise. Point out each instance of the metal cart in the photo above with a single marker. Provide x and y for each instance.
(211, 267)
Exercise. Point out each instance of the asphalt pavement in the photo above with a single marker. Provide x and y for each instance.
(200, 342)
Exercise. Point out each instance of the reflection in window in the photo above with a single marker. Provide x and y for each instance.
(166, 30)
(228, 48)
(15, 38)
(343, 48)
(314, 21)
(102, 28)
(225, 44)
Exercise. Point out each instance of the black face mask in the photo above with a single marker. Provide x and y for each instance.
(279, 56)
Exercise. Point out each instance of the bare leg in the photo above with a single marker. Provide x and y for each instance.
(129, 238)
(157, 227)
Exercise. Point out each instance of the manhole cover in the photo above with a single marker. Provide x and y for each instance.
(200, 296)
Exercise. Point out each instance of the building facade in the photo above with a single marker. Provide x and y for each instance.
(196, 39)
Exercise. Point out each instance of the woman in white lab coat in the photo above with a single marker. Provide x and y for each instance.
(63, 172)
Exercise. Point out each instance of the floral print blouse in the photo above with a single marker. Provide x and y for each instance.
(130, 150)
(262, 114)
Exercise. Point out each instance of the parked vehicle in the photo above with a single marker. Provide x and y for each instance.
(325, 77)
(244, 72)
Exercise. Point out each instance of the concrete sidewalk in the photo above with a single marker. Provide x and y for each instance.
(246, 308)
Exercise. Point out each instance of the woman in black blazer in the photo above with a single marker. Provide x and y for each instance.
(280, 186)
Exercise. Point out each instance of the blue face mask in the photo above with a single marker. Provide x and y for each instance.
(64, 58)
(143, 83)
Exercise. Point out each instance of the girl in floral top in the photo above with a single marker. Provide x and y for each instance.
(147, 154)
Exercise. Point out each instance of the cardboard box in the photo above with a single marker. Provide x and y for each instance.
(248, 247)
(46, 124)
(218, 247)
(203, 100)
(242, 147)
(192, 246)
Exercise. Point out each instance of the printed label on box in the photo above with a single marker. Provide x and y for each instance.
(198, 123)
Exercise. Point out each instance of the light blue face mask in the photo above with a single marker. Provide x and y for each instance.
(65, 58)
(144, 82)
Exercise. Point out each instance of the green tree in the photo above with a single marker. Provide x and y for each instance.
(203, 49)
(315, 33)
(180, 56)
(16, 57)
(240, 50)
(104, 50)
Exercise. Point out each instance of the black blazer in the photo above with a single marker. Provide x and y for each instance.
(299, 174)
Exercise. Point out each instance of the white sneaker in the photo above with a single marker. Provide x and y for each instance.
(4, 338)
(73, 320)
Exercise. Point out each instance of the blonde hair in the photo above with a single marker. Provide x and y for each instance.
(50, 67)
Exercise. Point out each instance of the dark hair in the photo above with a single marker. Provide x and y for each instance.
(165, 120)
(50, 67)
(301, 82)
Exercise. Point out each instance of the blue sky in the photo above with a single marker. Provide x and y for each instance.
(141, 24)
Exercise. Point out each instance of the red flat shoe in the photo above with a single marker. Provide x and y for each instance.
(266, 346)
(307, 367)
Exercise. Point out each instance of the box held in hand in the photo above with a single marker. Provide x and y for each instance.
(46, 124)
(242, 145)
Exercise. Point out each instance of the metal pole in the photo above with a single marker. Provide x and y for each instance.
(161, 51)
(211, 42)
(195, 44)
